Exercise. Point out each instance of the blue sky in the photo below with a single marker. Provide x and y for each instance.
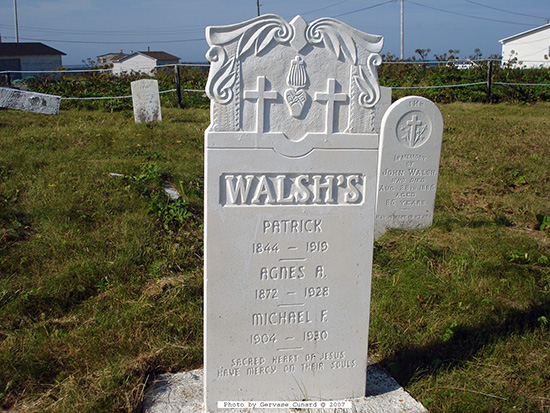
(87, 28)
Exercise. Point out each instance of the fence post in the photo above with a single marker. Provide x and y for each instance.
(489, 81)
(178, 85)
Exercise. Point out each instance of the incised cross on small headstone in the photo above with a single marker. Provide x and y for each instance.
(414, 133)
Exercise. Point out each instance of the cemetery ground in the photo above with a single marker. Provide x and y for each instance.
(101, 275)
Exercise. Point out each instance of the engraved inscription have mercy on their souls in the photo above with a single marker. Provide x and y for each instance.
(290, 185)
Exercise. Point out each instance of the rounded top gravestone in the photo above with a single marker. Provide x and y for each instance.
(410, 148)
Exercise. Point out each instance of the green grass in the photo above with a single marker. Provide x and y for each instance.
(101, 276)
(460, 310)
(101, 279)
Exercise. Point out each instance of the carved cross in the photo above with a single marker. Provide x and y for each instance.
(261, 95)
(331, 97)
(413, 124)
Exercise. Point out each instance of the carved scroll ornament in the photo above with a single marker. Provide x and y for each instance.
(257, 34)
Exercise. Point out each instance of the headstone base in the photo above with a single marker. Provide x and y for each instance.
(183, 393)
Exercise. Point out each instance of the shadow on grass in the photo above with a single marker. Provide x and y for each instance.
(15, 226)
(478, 222)
(464, 344)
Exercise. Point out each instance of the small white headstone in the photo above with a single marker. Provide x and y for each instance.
(146, 100)
(410, 148)
(290, 175)
(29, 101)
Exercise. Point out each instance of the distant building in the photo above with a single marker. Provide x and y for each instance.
(29, 57)
(143, 62)
(108, 58)
(529, 49)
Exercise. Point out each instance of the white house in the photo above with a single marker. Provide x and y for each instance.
(531, 48)
(143, 62)
(29, 57)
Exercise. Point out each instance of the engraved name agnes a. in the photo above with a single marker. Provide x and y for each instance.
(291, 189)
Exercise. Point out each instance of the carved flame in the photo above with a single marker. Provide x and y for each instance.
(297, 76)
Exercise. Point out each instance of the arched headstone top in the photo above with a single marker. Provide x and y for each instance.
(295, 62)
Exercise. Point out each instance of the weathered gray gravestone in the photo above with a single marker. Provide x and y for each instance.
(146, 101)
(29, 101)
(290, 171)
(410, 148)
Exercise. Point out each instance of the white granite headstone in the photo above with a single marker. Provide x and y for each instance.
(146, 100)
(410, 148)
(380, 109)
(290, 173)
(29, 101)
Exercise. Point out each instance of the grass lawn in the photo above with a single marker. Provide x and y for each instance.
(101, 275)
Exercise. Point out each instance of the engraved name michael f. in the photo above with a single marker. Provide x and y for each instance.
(291, 189)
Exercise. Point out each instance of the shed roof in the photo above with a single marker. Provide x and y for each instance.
(27, 49)
(159, 56)
(117, 54)
(525, 33)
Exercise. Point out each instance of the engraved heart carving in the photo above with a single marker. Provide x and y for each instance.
(295, 100)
